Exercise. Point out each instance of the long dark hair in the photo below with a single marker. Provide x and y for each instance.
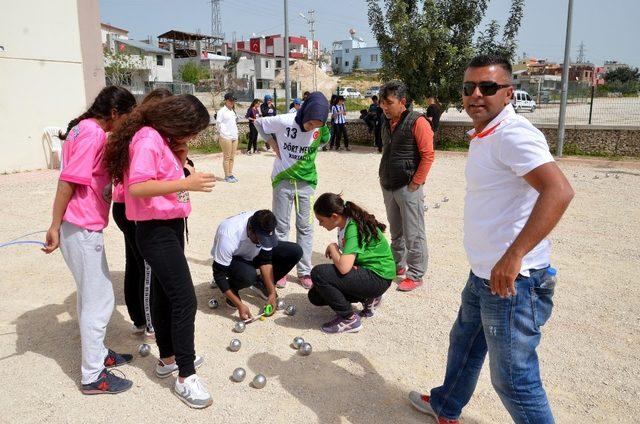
(254, 103)
(156, 95)
(330, 203)
(109, 98)
(174, 117)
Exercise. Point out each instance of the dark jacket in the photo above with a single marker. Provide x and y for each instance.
(400, 155)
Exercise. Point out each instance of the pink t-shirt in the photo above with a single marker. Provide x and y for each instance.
(82, 165)
(117, 195)
(150, 158)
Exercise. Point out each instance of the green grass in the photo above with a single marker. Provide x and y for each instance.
(359, 77)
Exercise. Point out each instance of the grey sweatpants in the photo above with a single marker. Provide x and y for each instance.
(284, 198)
(405, 212)
(83, 251)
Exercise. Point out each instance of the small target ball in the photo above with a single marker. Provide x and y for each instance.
(239, 327)
(259, 381)
(262, 318)
(213, 303)
(280, 305)
(445, 199)
(426, 208)
(306, 349)
(297, 342)
(144, 349)
(238, 374)
(234, 345)
(291, 310)
(437, 205)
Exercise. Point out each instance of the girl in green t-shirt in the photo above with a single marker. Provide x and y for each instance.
(362, 268)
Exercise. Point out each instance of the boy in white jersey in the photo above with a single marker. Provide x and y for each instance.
(294, 177)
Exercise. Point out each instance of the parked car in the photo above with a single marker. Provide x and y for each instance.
(373, 91)
(349, 93)
(521, 100)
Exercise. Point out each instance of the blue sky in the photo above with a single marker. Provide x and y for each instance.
(609, 30)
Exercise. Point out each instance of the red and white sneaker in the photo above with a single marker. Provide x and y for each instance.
(409, 284)
(422, 403)
(305, 281)
(281, 283)
(401, 272)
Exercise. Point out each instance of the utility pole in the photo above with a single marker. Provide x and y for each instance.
(565, 81)
(287, 80)
(216, 27)
(311, 21)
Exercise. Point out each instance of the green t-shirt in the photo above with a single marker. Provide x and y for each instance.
(375, 255)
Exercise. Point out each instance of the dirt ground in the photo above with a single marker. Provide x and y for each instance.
(589, 353)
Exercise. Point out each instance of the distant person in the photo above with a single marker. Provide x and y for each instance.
(374, 122)
(339, 121)
(294, 107)
(227, 121)
(433, 113)
(253, 113)
(407, 156)
(332, 102)
(267, 108)
(305, 95)
(515, 196)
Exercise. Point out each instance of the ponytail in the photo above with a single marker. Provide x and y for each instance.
(330, 203)
(174, 117)
(109, 98)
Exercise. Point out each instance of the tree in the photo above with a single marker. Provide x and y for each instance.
(488, 43)
(426, 43)
(622, 75)
(119, 66)
(356, 64)
(194, 73)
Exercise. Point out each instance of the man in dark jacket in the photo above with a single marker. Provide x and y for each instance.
(407, 155)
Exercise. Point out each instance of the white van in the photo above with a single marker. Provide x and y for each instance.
(521, 100)
(349, 93)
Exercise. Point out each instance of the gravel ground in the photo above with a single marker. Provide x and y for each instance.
(589, 351)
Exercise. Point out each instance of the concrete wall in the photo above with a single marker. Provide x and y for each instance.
(50, 70)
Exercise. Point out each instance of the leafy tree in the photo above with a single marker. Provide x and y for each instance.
(356, 64)
(426, 43)
(194, 73)
(119, 66)
(623, 75)
(488, 43)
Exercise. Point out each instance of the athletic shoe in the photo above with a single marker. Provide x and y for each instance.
(343, 325)
(165, 370)
(422, 404)
(248, 152)
(305, 281)
(107, 383)
(230, 304)
(369, 306)
(235, 180)
(260, 289)
(193, 392)
(138, 329)
(228, 179)
(409, 284)
(281, 283)
(116, 359)
(348, 149)
(400, 272)
(324, 148)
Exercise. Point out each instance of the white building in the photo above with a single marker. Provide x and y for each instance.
(51, 69)
(150, 63)
(107, 30)
(354, 53)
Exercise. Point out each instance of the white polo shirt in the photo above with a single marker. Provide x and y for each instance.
(498, 200)
(227, 123)
(232, 240)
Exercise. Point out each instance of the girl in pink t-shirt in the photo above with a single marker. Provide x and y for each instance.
(80, 213)
(146, 154)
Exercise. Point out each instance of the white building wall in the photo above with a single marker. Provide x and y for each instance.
(45, 79)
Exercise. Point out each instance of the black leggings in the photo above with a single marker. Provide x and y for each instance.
(340, 291)
(340, 130)
(253, 138)
(133, 268)
(161, 243)
(284, 257)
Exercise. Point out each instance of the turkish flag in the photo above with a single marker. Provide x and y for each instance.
(121, 47)
(255, 46)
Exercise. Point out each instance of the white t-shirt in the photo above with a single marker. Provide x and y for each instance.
(499, 201)
(232, 240)
(227, 123)
(293, 143)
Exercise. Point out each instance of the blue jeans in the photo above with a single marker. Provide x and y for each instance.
(509, 329)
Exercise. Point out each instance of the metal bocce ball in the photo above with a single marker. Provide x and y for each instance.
(297, 342)
(436, 206)
(234, 345)
(306, 349)
(239, 327)
(445, 199)
(259, 381)
(280, 305)
(144, 349)
(213, 303)
(291, 310)
(238, 374)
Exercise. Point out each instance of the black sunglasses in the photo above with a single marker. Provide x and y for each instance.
(487, 88)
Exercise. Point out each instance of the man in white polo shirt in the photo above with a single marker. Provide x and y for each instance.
(516, 194)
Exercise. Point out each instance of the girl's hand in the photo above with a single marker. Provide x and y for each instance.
(328, 252)
(244, 312)
(53, 240)
(200, 181)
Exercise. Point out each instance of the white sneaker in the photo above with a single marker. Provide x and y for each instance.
(165, 370)
(193, 392)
